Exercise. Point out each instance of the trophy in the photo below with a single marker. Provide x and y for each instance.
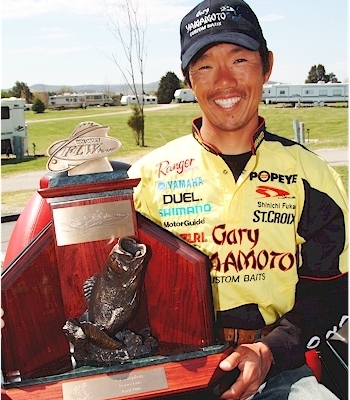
(103, 303)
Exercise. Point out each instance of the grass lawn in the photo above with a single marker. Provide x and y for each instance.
(328, 128)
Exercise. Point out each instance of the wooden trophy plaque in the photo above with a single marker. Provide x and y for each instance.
(90, 209)
(43, 287)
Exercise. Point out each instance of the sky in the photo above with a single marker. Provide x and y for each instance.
(73, 42)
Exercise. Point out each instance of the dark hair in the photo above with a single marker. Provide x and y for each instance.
(264, 55)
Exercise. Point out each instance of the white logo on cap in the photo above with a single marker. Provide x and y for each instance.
(227, 8)
(204, 12)
(208, 21)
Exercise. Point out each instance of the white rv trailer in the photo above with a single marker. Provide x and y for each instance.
(14, 131)
(184, 96)
(98, 99)
(81, 100)
(317, 94)
(130, 99)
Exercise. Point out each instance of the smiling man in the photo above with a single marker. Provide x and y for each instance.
(270, 214)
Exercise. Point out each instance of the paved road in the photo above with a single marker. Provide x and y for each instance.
(126, 111)
(335, 156)
(30, 180)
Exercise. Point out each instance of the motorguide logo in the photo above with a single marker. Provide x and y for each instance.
(177, 224)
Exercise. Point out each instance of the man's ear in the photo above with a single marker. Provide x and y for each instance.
(186, 76)
(268, 73)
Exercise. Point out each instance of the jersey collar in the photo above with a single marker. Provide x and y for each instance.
(257, 137)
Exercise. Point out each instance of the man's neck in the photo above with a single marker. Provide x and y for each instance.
(255, 138)
(238, 141)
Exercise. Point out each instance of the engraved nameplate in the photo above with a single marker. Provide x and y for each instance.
(114, 386)
(91, 222)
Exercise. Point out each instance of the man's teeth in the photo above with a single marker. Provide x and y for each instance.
(227, 103)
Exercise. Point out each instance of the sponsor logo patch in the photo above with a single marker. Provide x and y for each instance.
(269, 191)
(180, 184)
(265, 176)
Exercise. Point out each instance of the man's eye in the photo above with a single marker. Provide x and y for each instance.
(240, 60)
(204, 67)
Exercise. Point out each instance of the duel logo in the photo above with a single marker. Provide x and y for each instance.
(179, 198)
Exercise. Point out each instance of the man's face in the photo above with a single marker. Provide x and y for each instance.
(227, 80)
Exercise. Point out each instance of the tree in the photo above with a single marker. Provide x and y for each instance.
(21, 91)
(167, 86)
(128, 30)
(136, 122)
(65, 89)
(332, 78)
(5, 94)
(318, 74)
(43, 96)
(38, 106)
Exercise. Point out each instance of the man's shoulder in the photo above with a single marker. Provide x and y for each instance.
(295, 155)
(283, 145)
(173, 146)
(273, 137)
(169, 150)
(178, 141)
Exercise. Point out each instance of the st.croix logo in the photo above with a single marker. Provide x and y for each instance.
(88, 144)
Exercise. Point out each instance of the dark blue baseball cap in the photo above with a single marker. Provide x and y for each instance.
(219, 21)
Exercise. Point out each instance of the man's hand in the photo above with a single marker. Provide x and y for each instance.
(254, 361)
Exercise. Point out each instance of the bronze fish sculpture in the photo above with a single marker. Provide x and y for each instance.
(112, 295)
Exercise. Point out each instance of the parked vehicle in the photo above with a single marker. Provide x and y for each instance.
(184, 96)
(14, 135)
(131, 99)
(80, 100)
(317, 94)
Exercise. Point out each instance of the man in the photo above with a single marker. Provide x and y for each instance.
(270, 214)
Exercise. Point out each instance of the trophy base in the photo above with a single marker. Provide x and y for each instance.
(159, 376)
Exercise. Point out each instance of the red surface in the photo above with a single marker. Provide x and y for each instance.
(182, 377)
(42, 287)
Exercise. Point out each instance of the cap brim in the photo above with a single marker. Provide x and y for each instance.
(229, 37)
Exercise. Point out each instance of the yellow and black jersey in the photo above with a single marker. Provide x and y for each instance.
(282, 221)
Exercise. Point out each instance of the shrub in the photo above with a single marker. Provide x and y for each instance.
(137, 123)
(38, 106)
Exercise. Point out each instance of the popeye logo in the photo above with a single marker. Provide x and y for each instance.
(265, 176)
(88, 144)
